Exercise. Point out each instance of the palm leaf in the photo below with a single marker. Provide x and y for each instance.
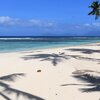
(95, 9)
(91, 6)
(91, 13)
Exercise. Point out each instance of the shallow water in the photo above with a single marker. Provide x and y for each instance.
(9, 44)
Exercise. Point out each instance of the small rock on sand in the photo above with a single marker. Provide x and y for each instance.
(38, 70)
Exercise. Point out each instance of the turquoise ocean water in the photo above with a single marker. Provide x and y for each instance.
(13, 44)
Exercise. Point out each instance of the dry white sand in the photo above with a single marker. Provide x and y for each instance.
(56, 67)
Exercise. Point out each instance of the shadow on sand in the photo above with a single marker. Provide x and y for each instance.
(93, 82)
(89, 82)
(53, 58)
(85, 51)
(7, 90)
(57, 58)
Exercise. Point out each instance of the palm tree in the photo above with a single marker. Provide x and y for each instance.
(95, 6)
(6, 90)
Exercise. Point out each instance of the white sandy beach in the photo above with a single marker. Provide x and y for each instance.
(60, 73)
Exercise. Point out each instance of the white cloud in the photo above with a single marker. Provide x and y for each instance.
(92, 25)
(6, 20)
(96, 24)
(35, 22)
(87, 25)
(77, 26)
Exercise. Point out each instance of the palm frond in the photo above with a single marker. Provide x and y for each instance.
(91, 13)
(95, 9)
(91, 6)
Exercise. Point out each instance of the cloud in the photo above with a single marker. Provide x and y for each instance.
(92, 24)
(87, 25)
(8, 21)
(96, 24)
(40, 23)
(43, 27)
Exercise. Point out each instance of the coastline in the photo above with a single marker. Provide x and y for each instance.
(58, 47)
(50, 73)
(16, 44)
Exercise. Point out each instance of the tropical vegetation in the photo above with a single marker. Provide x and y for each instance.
(95, 6)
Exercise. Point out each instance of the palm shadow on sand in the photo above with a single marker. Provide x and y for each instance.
(84, 51)
(7, 90)
(89, 82)
(55, 58)
(93, 82)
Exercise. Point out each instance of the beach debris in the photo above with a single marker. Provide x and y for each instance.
(39, 70)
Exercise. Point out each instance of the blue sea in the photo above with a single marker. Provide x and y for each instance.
(21, 43)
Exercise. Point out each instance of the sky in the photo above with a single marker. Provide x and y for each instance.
(47, 18)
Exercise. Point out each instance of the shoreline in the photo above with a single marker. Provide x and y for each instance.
(51, 74)
(62, 47)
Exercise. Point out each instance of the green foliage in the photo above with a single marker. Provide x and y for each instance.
(95, 6)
